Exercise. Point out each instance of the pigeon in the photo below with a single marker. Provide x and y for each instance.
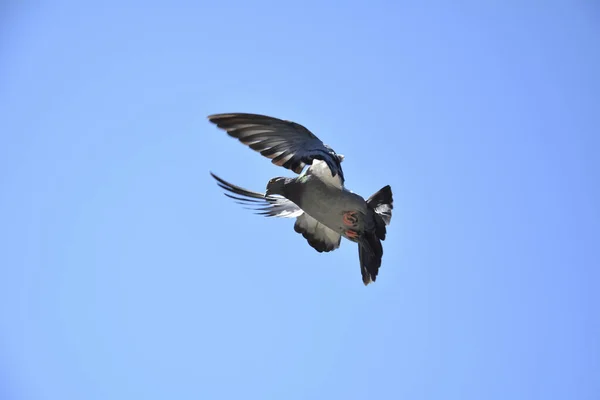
(324, 209)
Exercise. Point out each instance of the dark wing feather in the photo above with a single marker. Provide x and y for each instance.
(269, 206)
(319, 237)
(286, 143)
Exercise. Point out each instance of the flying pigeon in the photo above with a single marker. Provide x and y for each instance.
(324, 209)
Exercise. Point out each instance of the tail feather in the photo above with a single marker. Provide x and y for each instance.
(382, 203)
(370, 252)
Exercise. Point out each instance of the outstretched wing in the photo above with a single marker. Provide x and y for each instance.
(269, 206)
(286, 143)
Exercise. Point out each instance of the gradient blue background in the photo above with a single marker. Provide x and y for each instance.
(126, 274)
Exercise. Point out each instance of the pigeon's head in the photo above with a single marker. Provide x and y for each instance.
(275, 186)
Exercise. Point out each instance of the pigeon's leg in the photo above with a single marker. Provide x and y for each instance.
(349, 218)
(351, 234)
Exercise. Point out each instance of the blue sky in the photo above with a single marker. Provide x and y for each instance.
(126, 274)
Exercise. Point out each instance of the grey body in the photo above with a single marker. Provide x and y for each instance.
(327, 204)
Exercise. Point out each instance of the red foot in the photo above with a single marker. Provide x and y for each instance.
(350, 218)
(351, 234)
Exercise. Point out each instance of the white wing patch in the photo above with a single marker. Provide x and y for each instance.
(319, 237)
(321, 170)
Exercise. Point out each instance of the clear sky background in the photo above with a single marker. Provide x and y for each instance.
(126, 274)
